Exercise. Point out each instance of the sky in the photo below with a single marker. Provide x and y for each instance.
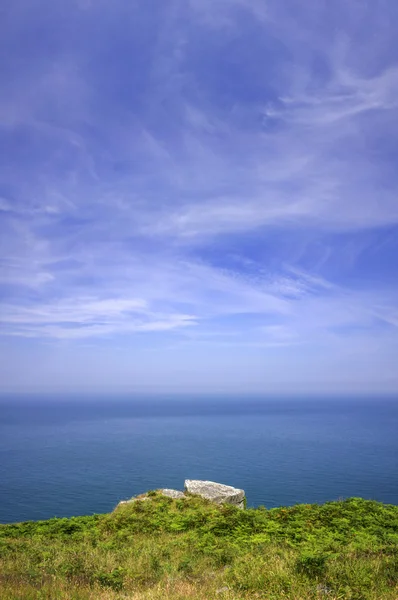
(199, 196)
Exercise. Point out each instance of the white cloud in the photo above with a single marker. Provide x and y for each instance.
(301, 173)
(218, 13)
(292, 307)
(75, 318)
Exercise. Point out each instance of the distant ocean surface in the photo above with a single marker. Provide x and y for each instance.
(63, 457)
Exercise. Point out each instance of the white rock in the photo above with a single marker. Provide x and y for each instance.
(124, 502)
(134, 499)
(172, 493)
(216, 492)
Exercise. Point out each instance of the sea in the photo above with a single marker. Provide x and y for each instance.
(63, 456)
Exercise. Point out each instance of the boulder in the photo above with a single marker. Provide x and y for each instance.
(216, 492)
(122, 502)
(140, 498)
(176, 494)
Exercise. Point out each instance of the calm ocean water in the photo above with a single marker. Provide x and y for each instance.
(61, 457)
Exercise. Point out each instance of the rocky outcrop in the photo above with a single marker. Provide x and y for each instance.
(140, 498)
(216, 492)
(176, 494)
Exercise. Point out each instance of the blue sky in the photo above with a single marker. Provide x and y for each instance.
(199, 195)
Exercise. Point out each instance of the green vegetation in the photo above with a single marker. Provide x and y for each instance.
(192, 549)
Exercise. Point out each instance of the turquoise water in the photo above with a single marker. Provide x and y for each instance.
(62, 457)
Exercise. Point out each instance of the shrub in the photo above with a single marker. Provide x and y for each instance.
(312, 564)
(114, 579)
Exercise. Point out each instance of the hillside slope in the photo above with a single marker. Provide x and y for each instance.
(192, 549)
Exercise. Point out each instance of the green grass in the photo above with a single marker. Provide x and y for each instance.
(190, 548)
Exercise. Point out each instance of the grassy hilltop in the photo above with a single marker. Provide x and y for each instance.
(192, 549)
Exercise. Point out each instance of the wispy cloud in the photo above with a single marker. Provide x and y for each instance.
(218, 173)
